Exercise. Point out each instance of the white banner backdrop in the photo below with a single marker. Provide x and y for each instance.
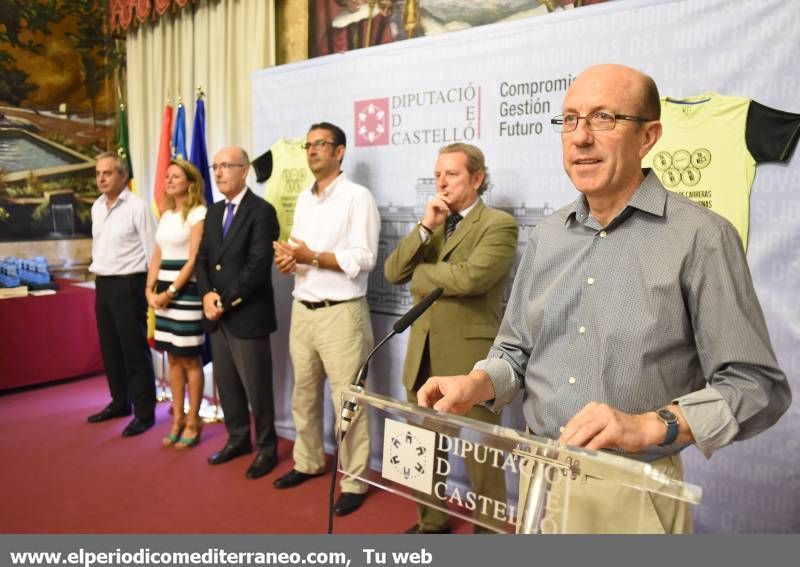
(497, 86)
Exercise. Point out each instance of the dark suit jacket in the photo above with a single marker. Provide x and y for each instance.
(239, 267)
(472, 266)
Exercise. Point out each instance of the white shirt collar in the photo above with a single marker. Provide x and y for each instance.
(123, 196)
(329, 189)
(238, 198)
(466, 211)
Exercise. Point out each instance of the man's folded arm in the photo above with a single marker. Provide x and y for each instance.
(489, 262)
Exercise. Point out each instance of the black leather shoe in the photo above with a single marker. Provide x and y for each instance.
(293, 478)
(348, 503)
(262, 465)
(108, 413)
(138, 426)
(417, 529)
(228, 453)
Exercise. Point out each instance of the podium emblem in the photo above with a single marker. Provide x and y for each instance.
(408, 455)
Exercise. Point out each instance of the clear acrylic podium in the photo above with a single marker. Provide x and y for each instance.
(559, 485)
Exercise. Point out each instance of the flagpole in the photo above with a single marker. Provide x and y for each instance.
(199, 157)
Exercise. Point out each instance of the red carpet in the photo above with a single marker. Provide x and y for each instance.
(64, 475)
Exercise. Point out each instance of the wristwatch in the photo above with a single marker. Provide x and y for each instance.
(425, 233)
(315, 260)
(423, 227)
(671, 421)
(172, 290)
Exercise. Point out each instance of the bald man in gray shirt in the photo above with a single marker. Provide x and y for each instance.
(632, 325)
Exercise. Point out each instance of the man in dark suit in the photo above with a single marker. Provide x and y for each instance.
(233, 277)
(468, 249)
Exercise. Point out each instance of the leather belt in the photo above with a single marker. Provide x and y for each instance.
(120, 276)
(321, 304)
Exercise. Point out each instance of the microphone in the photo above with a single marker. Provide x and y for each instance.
(350, 406)
(405, 321)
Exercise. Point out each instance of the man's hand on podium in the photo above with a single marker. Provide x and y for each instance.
(600, 426)
(456, 394)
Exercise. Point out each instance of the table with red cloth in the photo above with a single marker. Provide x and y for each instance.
(48, 337)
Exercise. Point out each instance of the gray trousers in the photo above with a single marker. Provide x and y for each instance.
(243, 375)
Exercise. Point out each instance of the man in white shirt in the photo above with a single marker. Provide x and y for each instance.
(123, 238)
(333, 247)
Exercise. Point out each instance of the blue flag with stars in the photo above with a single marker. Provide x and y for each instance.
(199, 154)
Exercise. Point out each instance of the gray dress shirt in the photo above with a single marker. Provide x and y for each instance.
(658, 307)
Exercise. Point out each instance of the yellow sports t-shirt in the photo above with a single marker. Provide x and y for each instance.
(710, 147)
(290, 175)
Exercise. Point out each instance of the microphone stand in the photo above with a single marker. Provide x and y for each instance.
(350, 407)
(536, 498)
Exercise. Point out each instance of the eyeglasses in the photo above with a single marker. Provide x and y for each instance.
(319, 144)
(225, 165)
(600, 120)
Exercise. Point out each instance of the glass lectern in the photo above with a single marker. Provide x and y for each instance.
(550, 488)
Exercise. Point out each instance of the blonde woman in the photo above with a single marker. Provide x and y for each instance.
(172, 292)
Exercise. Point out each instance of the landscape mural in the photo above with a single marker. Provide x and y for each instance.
(58, 68)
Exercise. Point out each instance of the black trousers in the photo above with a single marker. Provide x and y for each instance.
(243, 374)
(121, 311)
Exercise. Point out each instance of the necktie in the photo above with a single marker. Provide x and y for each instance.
(450, 224)
(226, 226)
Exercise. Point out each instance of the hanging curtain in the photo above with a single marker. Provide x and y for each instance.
(214, 45)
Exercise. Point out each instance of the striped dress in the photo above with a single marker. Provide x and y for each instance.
(178, 327)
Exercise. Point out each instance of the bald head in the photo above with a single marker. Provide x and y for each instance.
(636, 88)
(605, 164)
(230, 171)
(235, 152)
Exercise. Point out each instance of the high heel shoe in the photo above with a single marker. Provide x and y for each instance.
(175, 433)
(186, 442)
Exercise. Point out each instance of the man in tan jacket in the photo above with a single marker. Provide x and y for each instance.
(468, 249)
